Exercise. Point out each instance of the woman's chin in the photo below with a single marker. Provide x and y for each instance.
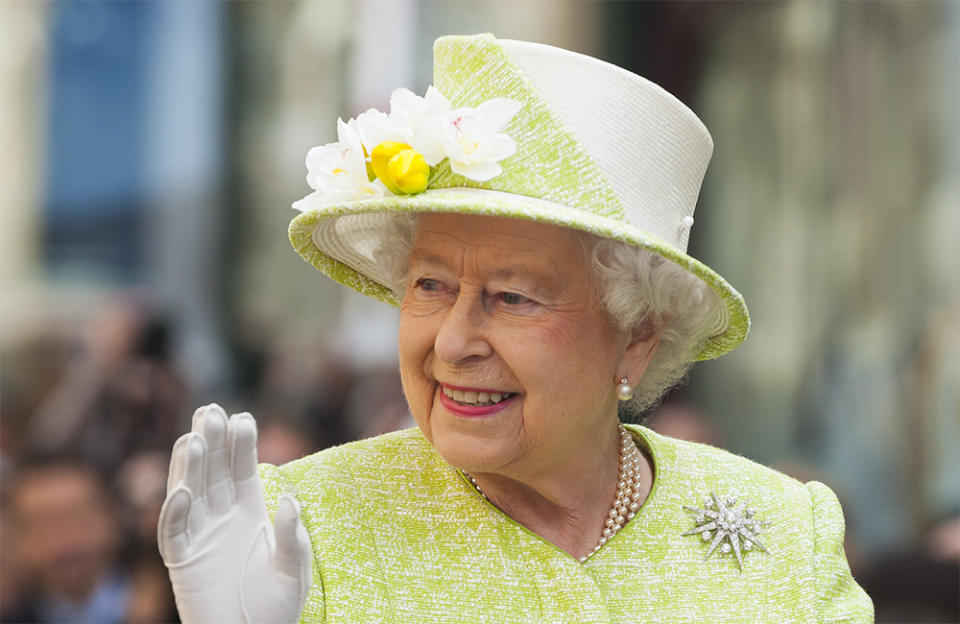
(475, 438)
(471, 453)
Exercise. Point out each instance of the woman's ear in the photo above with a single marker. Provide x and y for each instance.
(643, 344)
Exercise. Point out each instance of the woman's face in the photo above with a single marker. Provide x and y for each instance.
(507, 360)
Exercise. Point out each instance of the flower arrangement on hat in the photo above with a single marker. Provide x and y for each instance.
(529, 215)
(379, 154)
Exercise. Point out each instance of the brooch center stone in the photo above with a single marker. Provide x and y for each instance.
(727, 526)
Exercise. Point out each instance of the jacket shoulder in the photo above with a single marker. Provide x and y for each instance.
(697, 470)
(373, 458)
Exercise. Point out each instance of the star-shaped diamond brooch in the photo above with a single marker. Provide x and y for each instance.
(727, 526)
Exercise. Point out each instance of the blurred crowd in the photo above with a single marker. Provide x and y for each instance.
(88, 417)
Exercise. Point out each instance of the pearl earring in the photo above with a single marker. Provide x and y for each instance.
(624, 391)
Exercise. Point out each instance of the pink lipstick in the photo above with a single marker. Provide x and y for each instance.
(474, 402)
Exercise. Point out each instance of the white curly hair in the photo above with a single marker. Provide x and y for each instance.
(636, 287)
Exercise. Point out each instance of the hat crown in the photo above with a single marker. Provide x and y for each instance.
(647, 151)
(597, 149)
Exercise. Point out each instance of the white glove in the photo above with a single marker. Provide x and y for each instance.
(227, 563)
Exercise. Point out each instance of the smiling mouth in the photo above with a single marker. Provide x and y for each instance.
(475, 397)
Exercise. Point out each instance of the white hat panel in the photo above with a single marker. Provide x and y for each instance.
(653, 150)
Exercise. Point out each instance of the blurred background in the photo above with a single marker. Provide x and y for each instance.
(150, 153)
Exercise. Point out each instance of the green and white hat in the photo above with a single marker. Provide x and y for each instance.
(520, 130)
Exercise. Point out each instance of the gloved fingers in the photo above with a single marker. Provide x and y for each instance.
(292, 542)
(194, 475)
(242, 441)
(218, 485)
(172, 536)
(178, 462)
(197, 417)
(195, 482)
(187, 465)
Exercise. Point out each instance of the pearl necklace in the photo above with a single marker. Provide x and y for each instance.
(629, 491)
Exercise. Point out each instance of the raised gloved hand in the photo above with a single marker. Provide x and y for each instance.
(226, 562)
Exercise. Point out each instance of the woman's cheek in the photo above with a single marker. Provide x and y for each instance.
(548, 330)
(417, 386)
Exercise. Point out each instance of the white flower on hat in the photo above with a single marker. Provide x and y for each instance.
(375, 127)
(472, 139)
(338, 171)
(413, 120)
(380, 154)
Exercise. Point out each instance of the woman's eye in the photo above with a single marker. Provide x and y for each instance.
(425, 283)
(511, 298)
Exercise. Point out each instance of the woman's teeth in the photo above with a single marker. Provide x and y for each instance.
(470, 397)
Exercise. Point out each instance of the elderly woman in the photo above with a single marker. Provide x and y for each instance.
(530, 216)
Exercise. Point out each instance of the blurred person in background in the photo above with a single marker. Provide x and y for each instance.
(919, 585)
(60, 525)
(306, 385)
(119, 394)
(12, 583)
(77, 407)
(31, 369)
(540, 303)
(377, 405)
(140, 484)
(284, 439)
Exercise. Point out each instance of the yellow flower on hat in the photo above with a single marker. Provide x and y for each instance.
(413, 120)
(403, 170)
(409, 172)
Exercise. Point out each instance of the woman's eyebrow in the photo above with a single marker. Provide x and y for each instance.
(547, 280)
(421, 257)
(515, 271)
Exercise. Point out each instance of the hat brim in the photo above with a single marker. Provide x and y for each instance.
(319, 236)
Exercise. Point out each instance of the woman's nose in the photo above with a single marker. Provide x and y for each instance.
(462, 336)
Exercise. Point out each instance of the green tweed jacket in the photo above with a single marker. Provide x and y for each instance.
(399, 535)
